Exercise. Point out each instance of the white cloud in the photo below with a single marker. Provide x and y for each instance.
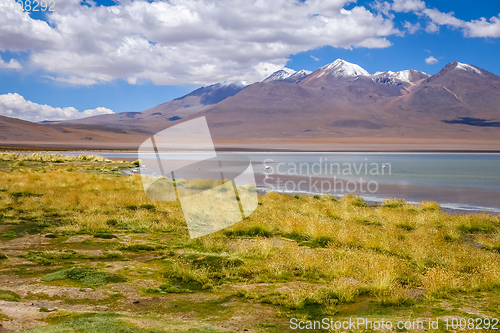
(383, 7)
(432, 27)
(314, 58)
(206, 41)
(94, 112)
(476, 28)
(483, 28)
(14, 105)
(443, 18)
(412, 28)
(375, 43)
(12, 64)
(431, 60)
(186, 41)
(406, 6)
(74, 80)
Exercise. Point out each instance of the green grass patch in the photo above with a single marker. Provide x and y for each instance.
(9, 296)
(477, 227)
(141, 248)
(408, 226)
(320, 242)
(296, 236)
(23, 194)
(104, 236)
(167, 289)
(86, 276)
(4, 316)
(149, 207)
(44, 309)
(250, 232)
(212, 262)
(49, 258)
(11, 234)
(393, 203)
(69, 322)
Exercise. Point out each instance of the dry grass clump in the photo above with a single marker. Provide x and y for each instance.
(89, 203)
(39, 157)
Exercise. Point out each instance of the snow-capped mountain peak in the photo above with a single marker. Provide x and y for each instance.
(288, 75)
(299, 74)
(302, 72)
(215, 93)
(343, 68)
(406, 76)
(280, 75)
(468, 68)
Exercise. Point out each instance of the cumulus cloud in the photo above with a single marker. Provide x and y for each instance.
(443, 18)
(12, 64)
(431, 60)
(476, 28)
(412, 28)
(205, 41)
(483, 28)
(374, 43)
(186, 41)
(432, 27)
(14, 105)
(407, 6)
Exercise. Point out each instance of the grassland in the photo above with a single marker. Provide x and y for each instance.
(82, 249)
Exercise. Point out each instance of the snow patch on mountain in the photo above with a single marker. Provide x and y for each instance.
(402, 76)
(225, 84)
(215, 93)
(468, 68)
(299, 75)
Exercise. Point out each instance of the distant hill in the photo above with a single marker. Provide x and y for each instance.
(156, 118)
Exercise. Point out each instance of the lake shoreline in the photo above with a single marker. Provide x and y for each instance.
(339, 148)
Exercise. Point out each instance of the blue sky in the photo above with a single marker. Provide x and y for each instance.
(100, 57)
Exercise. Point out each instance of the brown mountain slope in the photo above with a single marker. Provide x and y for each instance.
(339, 102)
(457, 90)
(460, 102)
(157, 118)
(20, 132)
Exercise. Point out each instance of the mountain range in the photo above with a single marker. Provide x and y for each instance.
(340, 103)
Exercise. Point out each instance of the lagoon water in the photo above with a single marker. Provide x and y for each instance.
(463, 181)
